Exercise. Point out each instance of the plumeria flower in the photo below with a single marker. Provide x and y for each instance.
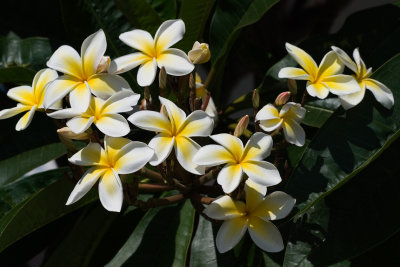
(289, 118)
(239, 159)
(82, 76)
(103, 113)
(30, 98)
(320, 79)
(382, 94)
(201, 92)
(254, 215)
(174, 130)
(154, 52)
(120, 156)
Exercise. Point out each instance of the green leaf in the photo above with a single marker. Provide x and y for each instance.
(319, 111)
(140, 14)
(43, 207)
(158, 227)
(203, 252)
(21, 58)
(347, 143)
(28, 161)
(228, 20)
(195, 15)
(166, 9)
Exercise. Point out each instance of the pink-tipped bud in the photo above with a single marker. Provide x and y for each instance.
(256, 99)
(104, 64)
(241, 127)
(282, 98)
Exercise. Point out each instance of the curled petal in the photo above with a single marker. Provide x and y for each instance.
(162, 145)
(304, 59)
(110, 191)
(132, 157)
(151, 121)
(344, 57)
(213, 155)
(66, 60)
(8, 113)
(293, 111)
(175, 62)
(258, 147)
(268, 112)
(198, 123)
(104, 85)
(23, 94)
(382, 94)
(127, 62)
(293, 73)
(229, 177)
(330, 65)
(341, 84)
(265, 235)
(25, 120)
(89, 155)
(147, 73)
(121, 101)
(85, 184)
(230, 233)
(92, 51)
(79, 125)
(319, 90)
(225, 208)
(114, 125)
(275, 206)
(140, 40)
(293, 132)
(169, 33)
(185, 149)
(262, 172)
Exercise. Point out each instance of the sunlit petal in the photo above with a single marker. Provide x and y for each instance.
(341, 84)
(147, 73)
(262, 172)
(23, 94)
(89, 155)
(293, 73)
(140, 40)
(40, 81)
(128, 62)
(113, 145)
(265, 235)
(92, 50)
(122, 101)
(198, 123)
(79, 125)
(151, 121)
(304, 59)
(319, 90)
(25, 120)
(110, 191)
(225, 208)
(176, 115)
(229, 177)
(382, 94)
(114, 125)
(258, 147)
(104, 85)
(351, 100)
(8, 113)
(80, 97)
(213, 155)
(230, 233)
(66, 60)
(64, 113)
(162, 145)
(233, 144)
(132, 157)
(169, 33)
(185, 149)
(344, 57)
(293, 132)
(59, 88)
(330, 65)
(254, 195)
(175, 62)
(275, 206)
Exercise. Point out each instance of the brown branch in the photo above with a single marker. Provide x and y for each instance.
(153, 175)
(206, 101)
(208, 176)
(154, 187)
(157, 202)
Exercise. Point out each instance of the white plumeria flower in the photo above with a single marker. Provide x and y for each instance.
(254, 215)
(382, 94)
(289, 118)
(320, 79)
(201, 92)
(239, 159)
(103, 113)
(82, 76)
(30, 98)
(174, 130)
(154, 52)
(120, 156)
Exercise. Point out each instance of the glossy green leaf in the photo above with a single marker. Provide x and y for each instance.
(158, 227)
(203, 251)
(195, 15)
(140, 14)
(43, 207)
(28, 160)
(319, 111)
(347, 143)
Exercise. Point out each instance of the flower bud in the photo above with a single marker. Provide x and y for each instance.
(200, 53)
(146, 93)
(256, 99)
(292, 85)
(282, 98)
(68, 134)
(241, 126)
(103, 65)
(162, 78)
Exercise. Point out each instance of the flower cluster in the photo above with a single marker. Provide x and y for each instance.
(90, 91)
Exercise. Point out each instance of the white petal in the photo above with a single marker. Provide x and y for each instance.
(169, 33)
(151, 121)
(79, 124)
(258, 147)
(262, 172)
(213, 155)
(330, 65)
(176, 115)
(59, 88)
(162, 145)
(66, 60)
(225, 208)
(304, 59)
(341, 84)
(10, 112)
(127, 62)
(40, 82)
(110, 191)
(147, 73)
(275, 206)
(254, 195)
(294, 111)
(382, 94)
(233, 144)
(114, 125)
(140, 40)
(230, 233)
(80, 97)
(85, 184)
(23, 94)
(185, 149)
(132, 157)
(269, 118)
(344, 57)
(87, 156)
(175, 62)
(319, 90)
(92, 50)
(351, 100)
(25, 120)
(229, 177)
(198, 123)
(122, 101)
(64, 113)
(265, 235)
(113, 145)
(104, 85)
(293, 73)
(293, 132)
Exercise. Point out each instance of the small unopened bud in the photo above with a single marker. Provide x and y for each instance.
(282, 98)
(104, 64)
(256, 99)
(192, 82)
(163, 111)
(200, 53)
(146, 93)
(68, 134)
(241, 126)
(162, 78)
(292, 85)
